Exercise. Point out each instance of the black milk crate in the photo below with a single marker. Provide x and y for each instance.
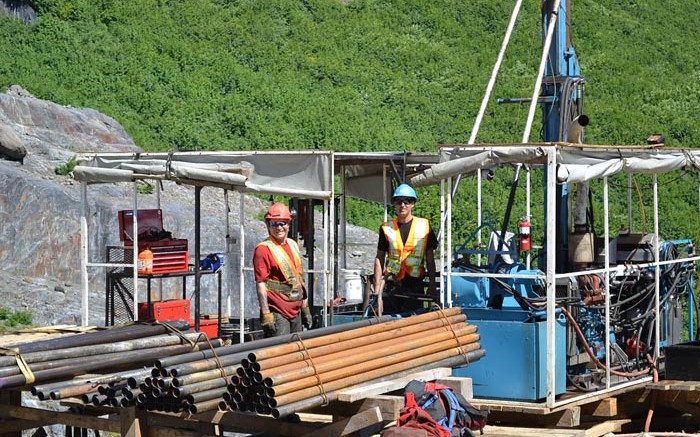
(683, 361)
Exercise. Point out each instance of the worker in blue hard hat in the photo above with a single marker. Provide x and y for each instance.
(405, 253)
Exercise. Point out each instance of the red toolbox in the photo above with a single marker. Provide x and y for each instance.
(149, 221)
(170, 255)
(177, 309)
(207, 326)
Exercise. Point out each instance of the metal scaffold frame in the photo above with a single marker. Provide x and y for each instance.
(301, 173)
(563, 163)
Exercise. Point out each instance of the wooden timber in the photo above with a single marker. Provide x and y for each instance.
(364, 410)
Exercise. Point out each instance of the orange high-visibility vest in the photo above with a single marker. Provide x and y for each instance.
(291, 269)
(407, 258)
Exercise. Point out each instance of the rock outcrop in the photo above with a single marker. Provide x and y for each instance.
(40, 215)
(20, 9)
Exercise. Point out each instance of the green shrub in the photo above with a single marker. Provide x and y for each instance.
(66, 168)
(11, 319)
(144, 188)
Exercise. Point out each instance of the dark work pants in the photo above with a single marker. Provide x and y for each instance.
(285, 326)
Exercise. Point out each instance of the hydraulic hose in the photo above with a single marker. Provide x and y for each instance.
(592, 355)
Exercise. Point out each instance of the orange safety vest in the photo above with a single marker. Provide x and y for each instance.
(293, 286)
(407, 258)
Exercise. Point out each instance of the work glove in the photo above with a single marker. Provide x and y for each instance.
(268, 323)
(306, 318)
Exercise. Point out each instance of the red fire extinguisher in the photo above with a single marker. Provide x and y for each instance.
(524, 234)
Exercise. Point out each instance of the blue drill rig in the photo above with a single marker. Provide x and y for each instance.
(599, 310)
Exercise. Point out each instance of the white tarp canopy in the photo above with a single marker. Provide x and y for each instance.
(369, 175)
(584, 165)
(575, 163)
(296, 174)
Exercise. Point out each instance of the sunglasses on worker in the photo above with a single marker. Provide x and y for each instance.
(404, 200)
(274, 224)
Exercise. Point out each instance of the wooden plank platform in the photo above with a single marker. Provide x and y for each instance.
(29, 335)
(367, 409)
(359, 392)
(667, 385)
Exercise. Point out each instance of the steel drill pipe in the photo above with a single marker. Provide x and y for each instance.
(69, 392)
(157, 392)
(227, 396)
(200, 407)
(311, 358)
(46, 365)
(98, 363)
(109, 335)
(466, 342)
(293, 355)
(142, 398)
(44, 391)
(66, 389)
(98, 349)
(429, 344)
(204, 376)
(330, 396)
(267, 342)
(69, 362)
(361, 353)
(350, 334)
(138, 378)
(116, 401)
(98, 400)
(238, 396)
(203, 365)
(164, 383)
(215, 393)
(346, 345)
(131, 394)
(235, 380)
(377, 369)
(105, 360)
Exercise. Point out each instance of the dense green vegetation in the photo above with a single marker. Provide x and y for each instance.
(366, 75)
(13, 319)
(359, 75)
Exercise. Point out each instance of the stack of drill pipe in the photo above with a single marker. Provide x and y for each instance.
(311, 371)
(197, 382)
(101, 363)
(83, 386)
(44, 360)
(332, 395)
(113, 349)
(111, 335)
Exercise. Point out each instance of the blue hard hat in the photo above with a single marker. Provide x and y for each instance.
(404, 190)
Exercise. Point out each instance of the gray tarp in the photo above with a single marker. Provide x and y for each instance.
(575, 163)
(302, 174)
(368, 174)
(584, 165)
(367, 182)
(457, 161)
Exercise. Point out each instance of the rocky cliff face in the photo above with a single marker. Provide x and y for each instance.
(40, 211)
(19, 9)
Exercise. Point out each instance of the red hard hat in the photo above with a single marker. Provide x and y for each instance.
(278, 211)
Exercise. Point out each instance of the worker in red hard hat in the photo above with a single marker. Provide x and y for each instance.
(405, 253)
(279, 277)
